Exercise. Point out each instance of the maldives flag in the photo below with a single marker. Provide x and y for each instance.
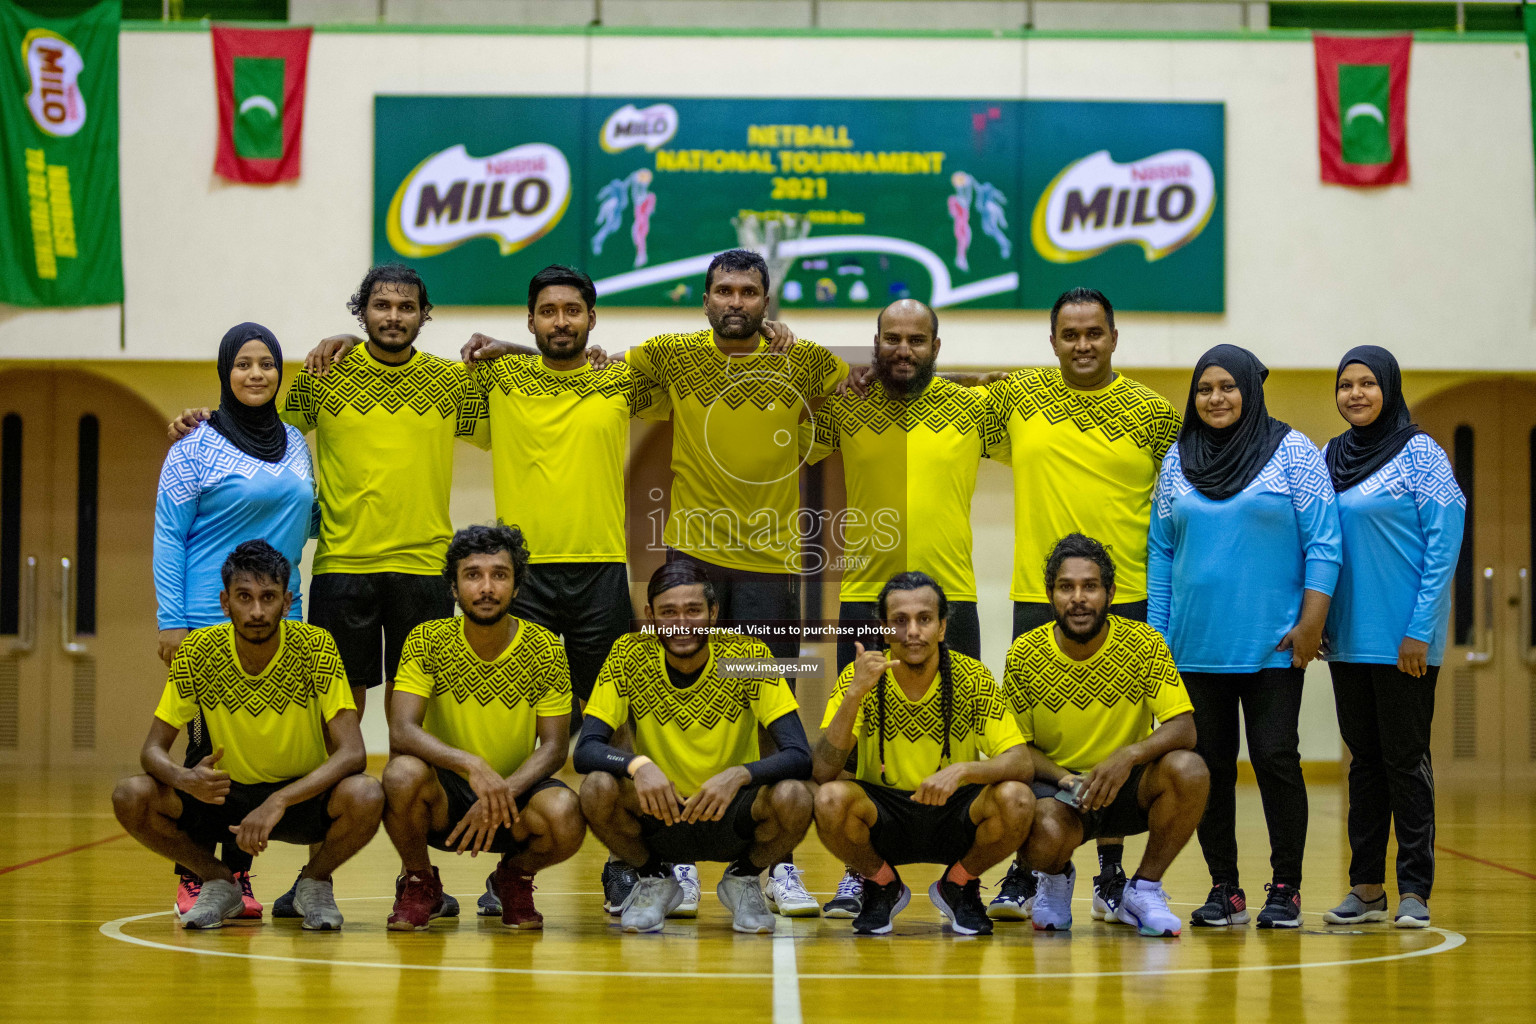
(260, 77)
(1362, 108)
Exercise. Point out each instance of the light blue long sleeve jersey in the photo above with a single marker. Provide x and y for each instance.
(1402, 536)
(213, 497)
(1225, 578)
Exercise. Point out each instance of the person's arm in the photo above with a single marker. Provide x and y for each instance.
(408, 709)
(176, 505)
(204, 781)
(1442, 510)
(1106, 777)
(792, 761)
(1011, 765)
(348, 757)
(1317, 514)
(1045, 769)
(1160, 551)
(547, 758)
(595, 753)
(976, 378)
(836, 743)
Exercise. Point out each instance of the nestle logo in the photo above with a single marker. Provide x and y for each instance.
(502, 168)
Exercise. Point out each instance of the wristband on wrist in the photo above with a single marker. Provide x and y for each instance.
(636, 764)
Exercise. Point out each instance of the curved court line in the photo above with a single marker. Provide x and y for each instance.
(114, 930)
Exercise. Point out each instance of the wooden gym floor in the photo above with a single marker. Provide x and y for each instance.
(85, 935)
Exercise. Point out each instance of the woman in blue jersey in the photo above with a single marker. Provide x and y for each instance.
(1243, 555)
(243, 475)
(1402, 515)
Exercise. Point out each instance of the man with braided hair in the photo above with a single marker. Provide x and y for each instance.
(920, 718)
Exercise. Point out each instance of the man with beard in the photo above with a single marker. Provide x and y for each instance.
(479, 723)
(693, 788)
(1085, 444)
(1086, 690)
(736, 411)
(941, 771)
(910, 445)
(287, 756)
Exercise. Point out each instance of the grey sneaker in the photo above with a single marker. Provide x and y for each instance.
(220, 900)
(743, 897)
(1411, 912)
(649, 903)
(316, 901)
(1354, 910)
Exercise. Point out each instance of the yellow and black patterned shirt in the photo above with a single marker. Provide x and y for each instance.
(1084, 462)
(735, 457)
(559, 442)
(385, 441)
(1077, 713)
(910, 469)
(488, 708)
(914, 730)
(271, 725)
(694, 732)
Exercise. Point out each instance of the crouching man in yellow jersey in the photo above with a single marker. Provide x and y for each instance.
(479, 723)
(920, 707)
(274, 696)
(695, 787)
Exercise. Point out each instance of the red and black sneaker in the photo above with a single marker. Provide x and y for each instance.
(418, 899)
(250, 912)
(515, 890)
(187, 891)
(1226, 905)
(1282, 908)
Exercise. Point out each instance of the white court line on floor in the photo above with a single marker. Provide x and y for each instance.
(786, 975)
(1449, 940)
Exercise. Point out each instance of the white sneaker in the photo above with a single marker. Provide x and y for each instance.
(1144, 906)
(1053, 901)
(786, 893)
(651, 900)
(687, 876)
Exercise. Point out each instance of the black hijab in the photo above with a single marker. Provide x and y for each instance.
(1221, 462)
(1361, 451)
(254, 429)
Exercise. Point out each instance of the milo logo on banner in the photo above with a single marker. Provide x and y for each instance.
(54, 66)
(1160, 203)
(516, 196)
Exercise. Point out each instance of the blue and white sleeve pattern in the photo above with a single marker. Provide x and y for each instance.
(1160, 543)
(1317, 510)
(181, 484)
(1442, 516)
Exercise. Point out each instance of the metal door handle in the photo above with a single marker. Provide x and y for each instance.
(1482, 654)
(71, 646)
(1527, 655)
(26, 627)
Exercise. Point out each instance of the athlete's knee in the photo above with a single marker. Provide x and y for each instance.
(561, 810)
(833, 803)
(599, 795)
(1015, 805)
(791, 803)
(131, 799)
(1052, 831)
(1186, 773)
(359, 797)
(404, 776)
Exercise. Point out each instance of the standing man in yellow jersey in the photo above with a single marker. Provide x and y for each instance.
(910, 445)
(696, 787)
(288, 756)
(479, 724)
(1086, 444)
(736, 412)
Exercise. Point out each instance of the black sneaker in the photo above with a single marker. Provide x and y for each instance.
(283, 905)
(1282, 908)
(1107, 890)
(881, 905)
(1015, 899)
(618, 879)
(1226, 905)
(489, 904)
(849, 899)
(962, 905)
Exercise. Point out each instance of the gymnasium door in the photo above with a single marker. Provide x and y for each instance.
(1485, 705)
(79, 675)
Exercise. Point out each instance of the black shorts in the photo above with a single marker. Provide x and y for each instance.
(303, 823)
(687, 843)
(1123, 817)
(752, 601)
(907, 832)
(586, 604)
(461, 798)
(963, 633)
(356, 607)
(1028, 615)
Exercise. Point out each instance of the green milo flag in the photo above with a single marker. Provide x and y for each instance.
(60, 230)
(1365, 111)
(259, 105)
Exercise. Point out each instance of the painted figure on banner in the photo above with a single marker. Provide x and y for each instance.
(960, 213)
(644, 202)
(994, 219)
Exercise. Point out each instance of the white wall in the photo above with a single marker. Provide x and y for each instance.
(1310, 268)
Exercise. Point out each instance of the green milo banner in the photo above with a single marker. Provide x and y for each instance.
(975, 203)
(60, 230)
